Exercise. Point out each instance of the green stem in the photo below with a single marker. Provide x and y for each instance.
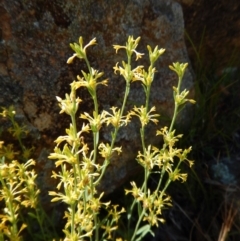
(39, 220)
(95, 152)
(9, 204)
(137, 225)
(160, 180)
(114, 136)
(73, 209)
(146, 172)
(88, 65)
(176, 105)
(96, 221)
(15, 126)
(127, 90)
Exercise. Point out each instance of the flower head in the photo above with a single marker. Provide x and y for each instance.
(80, 51)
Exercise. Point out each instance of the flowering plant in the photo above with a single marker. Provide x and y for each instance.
(77, 168)
(80, 172)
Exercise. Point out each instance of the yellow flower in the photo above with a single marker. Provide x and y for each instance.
(69, 105)
(136, 192)
(96, 121)
(106, 151)
(155, 54)
(148, 159)
(179, 68)
(80, 51)
(144, 116)
(130, 47)
(116, 119)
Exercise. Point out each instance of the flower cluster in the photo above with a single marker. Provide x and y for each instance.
(80, 166)
(18, 190)
(80, 170)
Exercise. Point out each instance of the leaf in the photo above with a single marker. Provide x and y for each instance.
(32, 215)
(143, 231)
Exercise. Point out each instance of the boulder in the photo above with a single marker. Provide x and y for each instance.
(34, 47)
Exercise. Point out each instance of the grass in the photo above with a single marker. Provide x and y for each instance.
(203, 205)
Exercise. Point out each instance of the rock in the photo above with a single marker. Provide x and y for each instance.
(34, 47)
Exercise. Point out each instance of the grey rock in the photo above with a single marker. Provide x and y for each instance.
(34, 47)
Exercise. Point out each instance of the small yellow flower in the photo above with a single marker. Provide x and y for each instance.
(80, 51)
(136, 192)
(130, 47)
(155, 54)
(96, 121)
(115, 118)
(69, 105)
(109, 229)
(179, 68)
(176, 175)
(148, 159)
(27, 153)
(106, 151)
(145, 116)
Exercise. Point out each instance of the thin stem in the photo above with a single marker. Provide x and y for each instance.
(88, 65)
(175, 106)
(127, 90)
(95, 152)
(73, 209)
(15, 126)
(137, 225)
(9, 204)
(40, 223)
(146, 171)
(96, 221)
(116, 129)
(160, 180)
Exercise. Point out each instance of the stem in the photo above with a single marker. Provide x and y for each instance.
(95, 152)
(40, 223)
(76, 148)
(137, 225)
(160, 180)
(146, 171)
(142, 133)
(9, 204)
(130, 211)
(148, 96)
(127, 90)
(73, 208)
(114, 136)
(105, 164)
(176, 106)
(88, 65)
(15, 126)
(96, 227)
(165, 187)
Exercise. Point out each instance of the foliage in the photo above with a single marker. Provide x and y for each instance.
(19, 193)
(214, 134)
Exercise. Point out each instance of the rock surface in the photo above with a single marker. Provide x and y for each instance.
(34, 47)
